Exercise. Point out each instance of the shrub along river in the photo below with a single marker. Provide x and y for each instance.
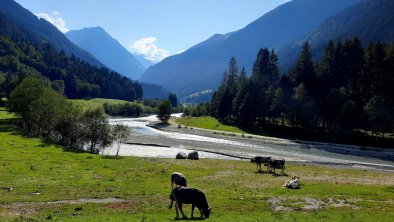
(166, 142)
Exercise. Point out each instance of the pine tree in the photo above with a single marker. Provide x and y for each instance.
(241, 92)
(304, 70)
(218, 95)
(325, 71)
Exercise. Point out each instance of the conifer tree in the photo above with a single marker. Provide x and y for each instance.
(304, 70)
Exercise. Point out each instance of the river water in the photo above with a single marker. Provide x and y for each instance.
(146, 141)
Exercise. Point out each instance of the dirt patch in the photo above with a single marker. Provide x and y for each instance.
(18, 210)
(123, 206)
(26, 208)
(306, 204)
(86, 200)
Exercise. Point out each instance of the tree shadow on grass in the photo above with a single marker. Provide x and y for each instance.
(6, 125)
(280, 175)
(111, 157)
(71, 150)
(262, 172)
(187, 218)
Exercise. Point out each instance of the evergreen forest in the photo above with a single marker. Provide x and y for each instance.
(347, 93)
(68, 74)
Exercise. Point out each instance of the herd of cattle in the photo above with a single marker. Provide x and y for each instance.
(270, 163)
(182, 194)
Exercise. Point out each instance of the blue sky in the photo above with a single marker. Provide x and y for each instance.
(157, 28)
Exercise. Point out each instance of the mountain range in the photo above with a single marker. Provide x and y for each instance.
(197, 71)
(107, 50)
(144, 61)
(201, 67)
(113, 55)
(28, 26)
(17, 22)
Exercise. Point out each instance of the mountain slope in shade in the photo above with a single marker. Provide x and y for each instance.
(369, 20)
(28, 26)
(145, 62)
(201, 67)
(107, 50)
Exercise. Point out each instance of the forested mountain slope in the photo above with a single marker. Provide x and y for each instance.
(28, 26)
(201, 67)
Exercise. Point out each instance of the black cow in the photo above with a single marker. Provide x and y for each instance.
(177, 179)
(260, 160)
(276, 164)
(195, 197)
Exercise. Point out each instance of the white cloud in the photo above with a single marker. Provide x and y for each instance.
(149, 49)
(56, 13)
(55, 19)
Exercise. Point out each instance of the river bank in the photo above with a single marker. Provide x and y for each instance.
(147, 132)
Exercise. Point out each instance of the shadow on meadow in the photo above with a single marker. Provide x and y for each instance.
(187, 218)
(6, 125)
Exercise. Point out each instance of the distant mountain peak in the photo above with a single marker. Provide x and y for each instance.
(107, 50)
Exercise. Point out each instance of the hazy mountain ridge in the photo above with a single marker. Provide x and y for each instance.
(369, 20)
(107, 50)
(40, 30)
(201, 67)
(144, 61)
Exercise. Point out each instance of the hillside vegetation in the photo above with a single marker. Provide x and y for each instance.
(69, 75)
(48, 183)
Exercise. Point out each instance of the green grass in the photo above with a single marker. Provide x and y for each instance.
(95, 103)
(207, 123)
(233, 189)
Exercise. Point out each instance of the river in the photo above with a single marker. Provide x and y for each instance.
(146, 141)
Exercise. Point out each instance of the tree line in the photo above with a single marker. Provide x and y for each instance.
(68, 74)
(349, 88)
(47, 114)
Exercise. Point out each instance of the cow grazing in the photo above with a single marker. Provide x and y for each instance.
(260, 160)
(195, 197)
(177, 179)
(276, 164)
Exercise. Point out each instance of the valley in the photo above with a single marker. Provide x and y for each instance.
(279, 110)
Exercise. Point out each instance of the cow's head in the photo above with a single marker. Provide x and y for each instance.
(206, 212)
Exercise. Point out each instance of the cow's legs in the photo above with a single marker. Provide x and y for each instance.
(193, 206)
(176, 209)
(180, 208)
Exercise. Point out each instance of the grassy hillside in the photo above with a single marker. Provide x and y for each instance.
(233, 188)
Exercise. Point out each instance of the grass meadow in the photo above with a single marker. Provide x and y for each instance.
(207, 122)
(50, 183)
(95, 103)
